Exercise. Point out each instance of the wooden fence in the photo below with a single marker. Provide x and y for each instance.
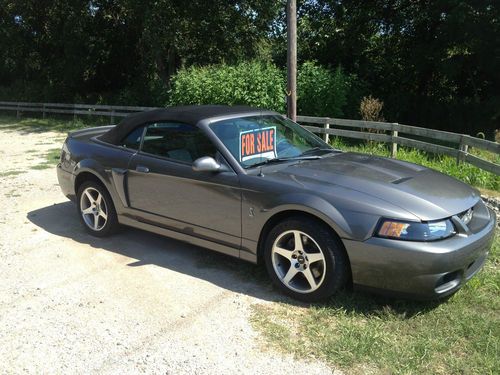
(392, 133)
(110, 111)
(367, 130)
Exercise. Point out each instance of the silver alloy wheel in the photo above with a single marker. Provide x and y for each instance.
(298, 261)
(93, 208)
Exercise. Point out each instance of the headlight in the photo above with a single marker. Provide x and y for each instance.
(414, 231)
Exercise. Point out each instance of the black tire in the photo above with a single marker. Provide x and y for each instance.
(105, 227)
(330, 273)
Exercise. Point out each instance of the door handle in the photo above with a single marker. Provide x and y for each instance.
(142, 169)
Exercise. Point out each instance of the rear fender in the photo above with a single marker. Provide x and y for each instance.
(92, 166)
(103, 175)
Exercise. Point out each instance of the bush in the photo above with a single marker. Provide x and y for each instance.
(370, 109)
(321, 91)
(252, 83)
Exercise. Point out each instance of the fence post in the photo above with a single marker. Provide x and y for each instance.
(43, 110)
(112, 116)
(326, 136)
(74, 112)
(463, 149)
(18, 115)
(394, 145)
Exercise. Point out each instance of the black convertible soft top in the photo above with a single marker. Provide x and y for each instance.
(186, 114)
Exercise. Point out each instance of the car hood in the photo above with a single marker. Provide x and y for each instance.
(425, 193)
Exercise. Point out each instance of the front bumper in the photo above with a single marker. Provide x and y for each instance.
(423, 270)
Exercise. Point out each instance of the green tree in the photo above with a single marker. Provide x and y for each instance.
(433, 63)
(199, 32)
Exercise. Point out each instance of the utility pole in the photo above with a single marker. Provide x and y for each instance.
(291, 33)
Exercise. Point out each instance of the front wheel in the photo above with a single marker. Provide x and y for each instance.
(96, 209)
(305, 259)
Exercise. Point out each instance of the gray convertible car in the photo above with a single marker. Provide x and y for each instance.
(253, 184)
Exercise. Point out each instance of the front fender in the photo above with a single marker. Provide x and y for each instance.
(313, 205)
(258, 212)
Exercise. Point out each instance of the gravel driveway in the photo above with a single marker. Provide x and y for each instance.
(136, 302)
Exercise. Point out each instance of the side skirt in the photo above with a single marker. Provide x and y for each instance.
(180, 236)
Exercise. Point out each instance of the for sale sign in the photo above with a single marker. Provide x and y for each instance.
(258, 143)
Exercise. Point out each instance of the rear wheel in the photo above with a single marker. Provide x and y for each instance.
(96, 209)
(305, 259)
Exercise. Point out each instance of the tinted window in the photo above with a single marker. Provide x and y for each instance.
(177, 141)
(133, 140)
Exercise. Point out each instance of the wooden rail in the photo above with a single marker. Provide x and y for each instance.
(391, 133)
(384, 131)
(111, 111)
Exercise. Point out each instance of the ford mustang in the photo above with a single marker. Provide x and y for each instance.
(253, 184)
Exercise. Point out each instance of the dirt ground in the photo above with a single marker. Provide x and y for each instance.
(132, 303)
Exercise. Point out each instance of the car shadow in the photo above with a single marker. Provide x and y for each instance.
(148, 248)
(224, 271)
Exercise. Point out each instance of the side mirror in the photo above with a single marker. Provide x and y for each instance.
(208, 164)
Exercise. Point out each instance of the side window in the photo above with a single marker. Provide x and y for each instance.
(133, 140)
(181, 142)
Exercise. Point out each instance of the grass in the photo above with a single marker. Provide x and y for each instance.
(10, 173)
(51, 159)
(443, 163)
(12, 194)
(362, 334)
(39, 125)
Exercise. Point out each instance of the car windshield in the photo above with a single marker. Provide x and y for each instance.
(257, 139)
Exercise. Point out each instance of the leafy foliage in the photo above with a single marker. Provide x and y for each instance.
(433, 64)
(252, 83)
(321, 92)
(120, 51)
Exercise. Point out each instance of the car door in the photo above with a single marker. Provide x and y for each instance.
(163, 187)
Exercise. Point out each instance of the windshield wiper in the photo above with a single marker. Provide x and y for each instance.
(279, 160)
(319, 149)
